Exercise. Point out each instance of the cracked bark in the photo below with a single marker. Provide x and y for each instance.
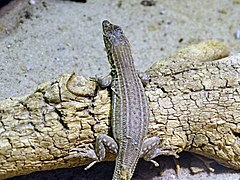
(194, 102)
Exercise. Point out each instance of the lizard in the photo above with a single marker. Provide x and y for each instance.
(129, 110)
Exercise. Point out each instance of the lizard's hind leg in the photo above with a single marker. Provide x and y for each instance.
(151, 149)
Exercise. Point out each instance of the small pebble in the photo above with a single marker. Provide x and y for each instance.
(61, 49)
(32, 2)
(24, 68)
(148, 3)
(82, 1)
(237, 34)
(162, 12)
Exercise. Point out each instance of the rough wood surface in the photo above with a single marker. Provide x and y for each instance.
(193, 97)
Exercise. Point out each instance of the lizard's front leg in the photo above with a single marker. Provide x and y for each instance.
(99, 153)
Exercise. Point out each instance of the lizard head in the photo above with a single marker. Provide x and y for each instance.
(112, 35)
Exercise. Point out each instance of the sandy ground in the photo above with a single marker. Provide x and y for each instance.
(51, 37)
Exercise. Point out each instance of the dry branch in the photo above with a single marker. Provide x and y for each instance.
(194, 101)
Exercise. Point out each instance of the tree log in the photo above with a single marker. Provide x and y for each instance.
(194, 100)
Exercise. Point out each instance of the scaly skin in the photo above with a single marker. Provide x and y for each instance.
(129, 116)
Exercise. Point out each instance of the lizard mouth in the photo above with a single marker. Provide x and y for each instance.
(107, 27)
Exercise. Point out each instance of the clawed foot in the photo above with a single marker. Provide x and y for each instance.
(207, 163)
(82, 153)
